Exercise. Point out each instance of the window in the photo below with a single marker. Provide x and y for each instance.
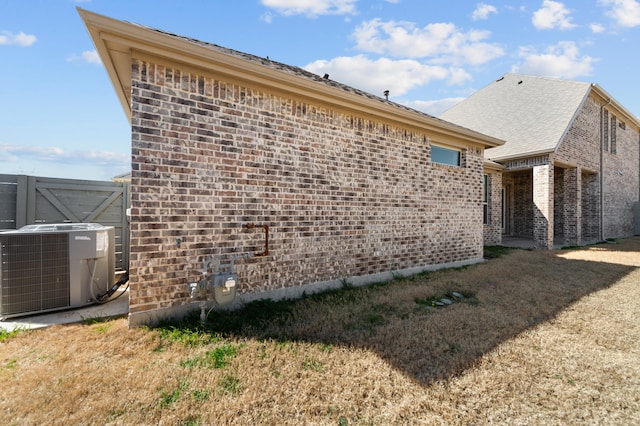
(613, 133)
(443, 155)
(605, 131)
(485, 200)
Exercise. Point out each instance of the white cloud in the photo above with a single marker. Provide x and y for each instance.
(552, 15)
(90, 56)
(443, 43)
(596, 28)
(434, 108)
(376, 76)
(312, 7)
(483, 11)
(59, 155)
(626, 13)
(562, 60)
(21, 39)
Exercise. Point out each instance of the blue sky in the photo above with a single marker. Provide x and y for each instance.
(60, 117)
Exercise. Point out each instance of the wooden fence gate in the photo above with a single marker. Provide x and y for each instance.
(28, 200)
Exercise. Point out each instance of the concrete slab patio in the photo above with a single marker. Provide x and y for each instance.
(526, 243)
(117, 306)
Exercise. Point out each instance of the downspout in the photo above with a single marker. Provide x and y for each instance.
(601, 218)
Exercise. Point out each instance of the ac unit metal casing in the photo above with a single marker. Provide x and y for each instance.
(54, 266)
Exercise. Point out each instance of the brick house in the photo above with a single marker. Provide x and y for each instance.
(352, 186)
(571, 161)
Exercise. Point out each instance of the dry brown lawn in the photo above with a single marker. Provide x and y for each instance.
(542, 338)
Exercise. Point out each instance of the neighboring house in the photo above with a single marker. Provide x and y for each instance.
(352, 186)
(571, 161)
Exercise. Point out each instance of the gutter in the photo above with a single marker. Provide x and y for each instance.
(522, 155)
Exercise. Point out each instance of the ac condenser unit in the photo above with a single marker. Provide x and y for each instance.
(54, 266)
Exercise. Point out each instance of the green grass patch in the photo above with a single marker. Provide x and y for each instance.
(429, 300)
(213, 359)
(312, 365)
(94, 320)
(169, 397)
(229, 385)
(200, 395)
(187, 334)
(256, 315)
(494, 252)
(4, 334)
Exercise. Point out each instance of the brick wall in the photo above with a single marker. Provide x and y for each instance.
(559, 201)
(543, 206)
(590, 207)
(522, 204)
(581, 144)
(493, 227)
(582, 147)
(621, 185)
(344, 195)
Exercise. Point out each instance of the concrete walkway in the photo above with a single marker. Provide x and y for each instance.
(117, 306)
(525, 243)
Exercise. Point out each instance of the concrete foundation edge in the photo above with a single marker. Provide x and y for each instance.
(154, 317)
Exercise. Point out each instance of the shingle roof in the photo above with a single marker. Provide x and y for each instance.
(117, 42)
(530, 113)
(290, 69)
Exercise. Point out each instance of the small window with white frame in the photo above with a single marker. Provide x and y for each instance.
(448, 156)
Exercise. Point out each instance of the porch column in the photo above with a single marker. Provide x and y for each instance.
(493, 209)
(572, 208)
(543, 206)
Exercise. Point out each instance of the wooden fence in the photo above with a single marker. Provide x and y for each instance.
(27, 200)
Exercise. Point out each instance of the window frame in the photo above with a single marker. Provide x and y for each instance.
(614, 134)
(446, 150)
(605, 130)
(485, 199)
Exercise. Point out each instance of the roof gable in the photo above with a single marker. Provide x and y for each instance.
(530, 113)
(117, 42)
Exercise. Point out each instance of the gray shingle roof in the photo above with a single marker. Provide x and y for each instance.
(530, 113)
(290, 69)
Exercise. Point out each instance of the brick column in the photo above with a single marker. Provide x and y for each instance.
(590, 207)
(543, 206)
(572, 208)
(493, 229)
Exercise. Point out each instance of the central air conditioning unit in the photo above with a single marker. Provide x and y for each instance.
(54, 266)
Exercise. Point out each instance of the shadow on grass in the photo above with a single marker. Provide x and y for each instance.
(505, 297)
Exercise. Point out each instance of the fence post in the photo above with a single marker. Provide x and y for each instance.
(22, 202)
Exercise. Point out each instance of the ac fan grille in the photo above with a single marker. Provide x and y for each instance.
(34, 273)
